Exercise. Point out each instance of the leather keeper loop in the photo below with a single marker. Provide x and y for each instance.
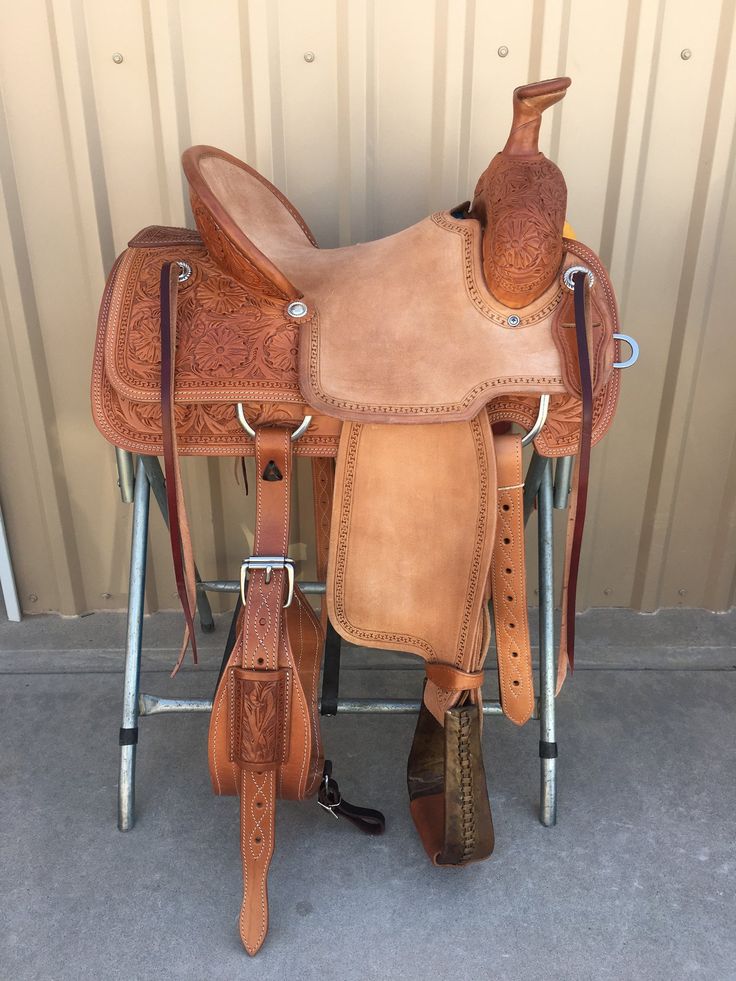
(453, 679)
(258, 730)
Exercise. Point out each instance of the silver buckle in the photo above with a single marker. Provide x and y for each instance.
(269, 563)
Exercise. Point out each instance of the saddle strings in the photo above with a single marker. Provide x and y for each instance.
(586, 439)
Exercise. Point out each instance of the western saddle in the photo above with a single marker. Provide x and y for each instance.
(396, 366)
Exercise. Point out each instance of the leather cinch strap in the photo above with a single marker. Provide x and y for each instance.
(264, 740)
(262, 630)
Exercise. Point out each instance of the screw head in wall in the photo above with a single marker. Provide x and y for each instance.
(309, 56)
(503, 51)
(686, 54)
(117, 58)
(33, 597)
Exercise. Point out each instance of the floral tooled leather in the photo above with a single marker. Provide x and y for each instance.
(233, 345)
(522, 203)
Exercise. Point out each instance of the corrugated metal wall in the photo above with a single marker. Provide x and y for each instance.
(396, 115)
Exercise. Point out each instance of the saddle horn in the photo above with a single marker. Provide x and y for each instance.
(521, 200)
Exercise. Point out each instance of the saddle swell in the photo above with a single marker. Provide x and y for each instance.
(521, 201)
(410, 354)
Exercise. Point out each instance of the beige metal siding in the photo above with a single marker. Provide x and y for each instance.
(399, 111)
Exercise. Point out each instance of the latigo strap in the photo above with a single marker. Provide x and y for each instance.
(264, 739)
(181, 542)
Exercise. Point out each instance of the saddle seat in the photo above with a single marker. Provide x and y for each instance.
(400, 329)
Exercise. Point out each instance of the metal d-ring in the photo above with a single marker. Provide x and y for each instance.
(539, 424)
(634, 351)
(186, 270)
(299, 431)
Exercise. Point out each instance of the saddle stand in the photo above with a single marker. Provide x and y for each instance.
(397, 367)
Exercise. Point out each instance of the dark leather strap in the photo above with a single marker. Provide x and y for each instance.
(366, 819)
(232, 637)
(331, 672)
(586, 432)
(169, 288)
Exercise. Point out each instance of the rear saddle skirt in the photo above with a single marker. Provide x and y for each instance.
(408, 356)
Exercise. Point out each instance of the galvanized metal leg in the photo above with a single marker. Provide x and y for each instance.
(136, 591)
(547, 741)
(533, 478)
(126, 474)
(158, 485)
(563, 481)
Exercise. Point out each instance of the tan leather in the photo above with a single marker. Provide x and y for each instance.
(508, 580)
(447, 347)
(235, 344)
(240, 215)
(445, 351)
(521, 200)
(273, 748)
(451, 678)
(323, 486)
(560, 435)
(404, 526)
(294, 781)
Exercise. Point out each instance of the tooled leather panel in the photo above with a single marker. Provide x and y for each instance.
(600, 343)
(560, 435)
(227, 256)
(257, 701)
(524, 200)
(205, 429)
(234, 343)
(232, 347)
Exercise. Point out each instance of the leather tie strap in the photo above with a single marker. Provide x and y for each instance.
(581, 298)
(452, 678)
(366, 819)
(181, 544)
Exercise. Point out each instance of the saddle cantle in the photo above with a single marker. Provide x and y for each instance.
(405, 354)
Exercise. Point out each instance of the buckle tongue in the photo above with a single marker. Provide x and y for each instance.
(269, 563)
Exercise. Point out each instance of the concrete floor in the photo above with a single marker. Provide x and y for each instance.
(635, 882)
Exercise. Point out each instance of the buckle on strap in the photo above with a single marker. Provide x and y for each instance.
(269, 563)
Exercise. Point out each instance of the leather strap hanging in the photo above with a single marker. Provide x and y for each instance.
(579, 496)
(181, 542)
